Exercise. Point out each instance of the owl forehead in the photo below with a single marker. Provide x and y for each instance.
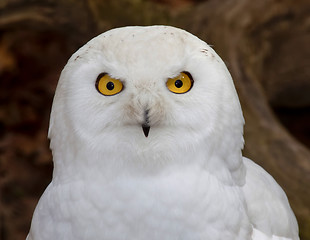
(147, 48)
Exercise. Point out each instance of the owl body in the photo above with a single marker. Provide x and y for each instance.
(146, 132)
(161, 206)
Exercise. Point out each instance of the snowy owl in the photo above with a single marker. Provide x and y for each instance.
(146, 131)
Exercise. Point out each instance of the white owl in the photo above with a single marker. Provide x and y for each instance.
(146, 131)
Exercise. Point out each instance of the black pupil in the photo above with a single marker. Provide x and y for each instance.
(178, 83)
(110, 86)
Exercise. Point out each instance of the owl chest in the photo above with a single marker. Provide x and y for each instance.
(185, 206)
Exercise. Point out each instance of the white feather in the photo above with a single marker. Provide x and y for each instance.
(268, 207)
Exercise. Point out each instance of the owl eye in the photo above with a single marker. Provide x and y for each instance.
(108, 86)
(180, 84)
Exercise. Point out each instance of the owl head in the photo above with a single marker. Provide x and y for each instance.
(147, 97)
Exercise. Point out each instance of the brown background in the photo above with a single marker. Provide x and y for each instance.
(265, 45)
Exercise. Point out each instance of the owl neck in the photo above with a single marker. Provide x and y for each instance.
(74, 159)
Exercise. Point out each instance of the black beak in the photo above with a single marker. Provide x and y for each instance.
(146, 129)
(145, 125)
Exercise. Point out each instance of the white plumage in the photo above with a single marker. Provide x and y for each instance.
(185, 179)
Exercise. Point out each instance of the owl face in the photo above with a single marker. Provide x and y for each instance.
(145, 89)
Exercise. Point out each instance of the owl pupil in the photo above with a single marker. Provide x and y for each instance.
(110, 86)
(178, 83)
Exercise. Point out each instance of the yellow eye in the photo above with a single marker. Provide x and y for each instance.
(180, 84)
(108, 86)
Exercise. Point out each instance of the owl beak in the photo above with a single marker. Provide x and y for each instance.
(146, 129)
(145, 125)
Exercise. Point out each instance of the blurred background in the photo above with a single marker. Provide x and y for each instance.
(265, 45)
